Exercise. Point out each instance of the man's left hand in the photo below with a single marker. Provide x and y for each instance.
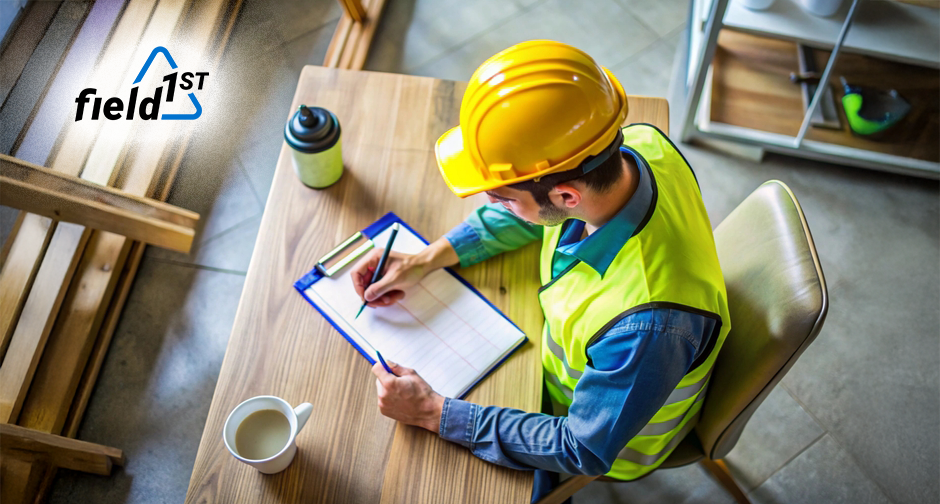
(407, 397)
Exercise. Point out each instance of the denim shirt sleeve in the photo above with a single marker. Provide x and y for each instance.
(631, 371)
(490, 230)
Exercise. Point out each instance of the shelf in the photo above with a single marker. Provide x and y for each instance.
(891, 30)
(752, 97)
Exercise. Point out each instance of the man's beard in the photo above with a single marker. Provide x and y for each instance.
(550, 215)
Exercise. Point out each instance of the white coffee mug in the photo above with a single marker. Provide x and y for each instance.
(296, 416)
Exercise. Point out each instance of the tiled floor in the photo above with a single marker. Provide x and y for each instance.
(856, 420)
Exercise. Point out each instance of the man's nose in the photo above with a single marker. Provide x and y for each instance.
(492, 199)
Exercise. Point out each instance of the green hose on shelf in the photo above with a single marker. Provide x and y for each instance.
(871, 111)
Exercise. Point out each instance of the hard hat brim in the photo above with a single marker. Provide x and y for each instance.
(457, 167)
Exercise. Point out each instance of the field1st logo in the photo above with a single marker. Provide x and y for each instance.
(149, 107)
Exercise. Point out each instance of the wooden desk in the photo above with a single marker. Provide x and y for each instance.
(280, 345)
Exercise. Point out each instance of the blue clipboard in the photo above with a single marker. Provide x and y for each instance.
(354, 247)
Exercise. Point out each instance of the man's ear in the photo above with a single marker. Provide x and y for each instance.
(566, 195)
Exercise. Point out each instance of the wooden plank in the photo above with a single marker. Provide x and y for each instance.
(338, 43)
(32, 329)
(36, 19)
(353, 9)
(355, 37)
(20, 475)
(37, 74)
(87, 377)
(350, 44)
(60, 451)
(19, 271)
(69, 199)
(374, 16)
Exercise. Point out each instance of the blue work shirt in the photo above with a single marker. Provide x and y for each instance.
(631, 369)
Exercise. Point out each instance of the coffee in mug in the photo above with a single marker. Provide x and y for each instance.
(262, 434)
(262, 431)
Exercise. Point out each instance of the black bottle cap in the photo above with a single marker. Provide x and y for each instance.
(312, 130)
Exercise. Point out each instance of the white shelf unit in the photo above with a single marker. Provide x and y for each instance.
(884, 29)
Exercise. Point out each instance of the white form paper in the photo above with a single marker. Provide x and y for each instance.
(450, 335)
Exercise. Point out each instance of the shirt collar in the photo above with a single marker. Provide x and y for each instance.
(599, 249)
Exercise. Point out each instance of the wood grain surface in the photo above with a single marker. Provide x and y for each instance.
(61, 451)
(280, 345)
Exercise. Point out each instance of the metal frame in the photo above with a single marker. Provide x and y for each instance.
(697, 125)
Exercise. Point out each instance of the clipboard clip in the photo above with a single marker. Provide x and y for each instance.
(351, 249)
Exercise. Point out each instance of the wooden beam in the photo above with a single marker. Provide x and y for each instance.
(66, 198)
(370, 24)
(21, 475)
(19, 271)
(338, 43)
(352, 39)
(35, 323)
(60, 451)
(354, 9)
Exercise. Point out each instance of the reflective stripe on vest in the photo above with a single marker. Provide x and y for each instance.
(670, 262)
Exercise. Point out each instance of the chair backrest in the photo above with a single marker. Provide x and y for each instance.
(778, 301)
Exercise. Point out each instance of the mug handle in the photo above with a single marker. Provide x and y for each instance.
(303, 412)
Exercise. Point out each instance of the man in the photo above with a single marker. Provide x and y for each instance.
(633, 296)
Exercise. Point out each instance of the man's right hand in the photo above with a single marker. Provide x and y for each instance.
(401, 272)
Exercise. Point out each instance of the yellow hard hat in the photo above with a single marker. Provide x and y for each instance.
(536, 108)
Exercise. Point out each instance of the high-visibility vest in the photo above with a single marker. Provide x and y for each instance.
(669, 262)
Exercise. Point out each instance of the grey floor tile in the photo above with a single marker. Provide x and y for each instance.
(310, 48)
(822, 473)
(648, 72)
(623, 36)
(260, 160)
(153, 394)
(291, 20)
(779, 430)
(682, 485)
(414, 32)
(218, 190)
(662, 16)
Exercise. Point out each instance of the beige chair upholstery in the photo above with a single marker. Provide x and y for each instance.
(778, 302)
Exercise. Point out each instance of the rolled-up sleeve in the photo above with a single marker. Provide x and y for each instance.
(633, 369)
(490, 230)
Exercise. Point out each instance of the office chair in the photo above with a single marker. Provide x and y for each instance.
(778, 301)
